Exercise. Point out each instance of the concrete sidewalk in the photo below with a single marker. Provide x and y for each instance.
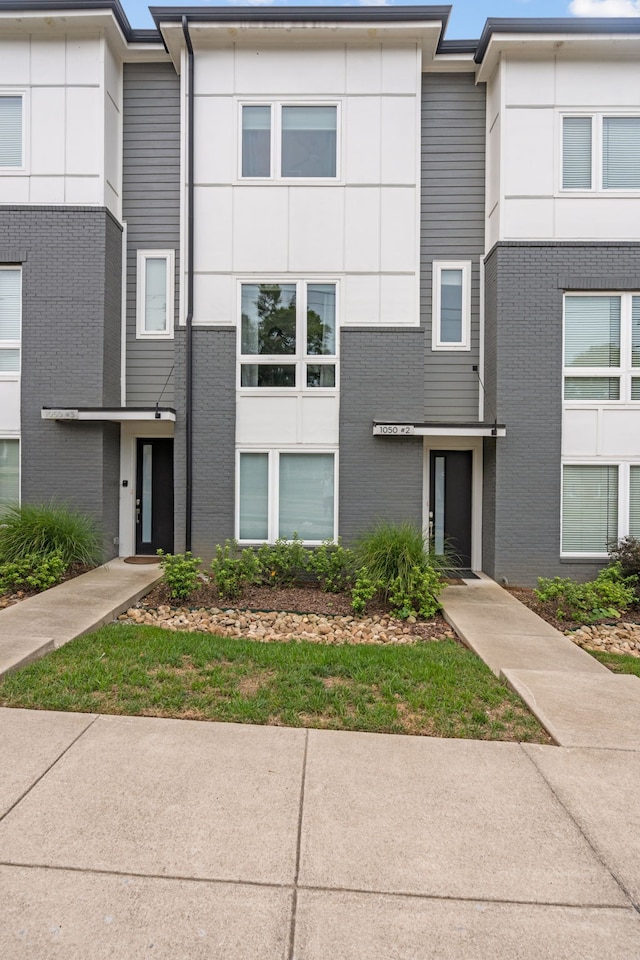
(579, 701)
(137, 837)
(31, 628)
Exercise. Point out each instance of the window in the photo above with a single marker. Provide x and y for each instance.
(602, 347)
(285, 494)
(289, 141)
(589, 508)
(600, 152)
(10, 321)
(9, 472)
(11, 131)
(451, 306)
(288, 335)
(154, 316)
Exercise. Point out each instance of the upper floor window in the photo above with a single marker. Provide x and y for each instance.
(10, 321)
(11, 131)
(289, 140)
(451, 306)
(288, 335)
(600, 152)
(602, 347)
(154, 315)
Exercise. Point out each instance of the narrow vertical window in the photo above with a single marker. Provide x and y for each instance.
(256, 141)
(155, 294)
(621, 153)
(10, 320)
(451, 306)
(634, 502)
(11, 131)
(577, 136)
(9, 472)
(254, 496)
(309, 141)
(589, 509)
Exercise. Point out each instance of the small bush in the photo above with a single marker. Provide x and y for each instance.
(234, 569)
(180, 573)
(607, 596)
(284, 562)
(415, 594)
(626, 553)
(333, 566)
(365, 589)
(50, 528)
(32, 572)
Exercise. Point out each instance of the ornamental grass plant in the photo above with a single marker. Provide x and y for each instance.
(50, 528)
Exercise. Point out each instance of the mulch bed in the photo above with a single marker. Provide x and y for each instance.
(548, 610)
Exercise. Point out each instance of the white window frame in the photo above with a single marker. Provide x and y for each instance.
(15, 344)
(437, 343)
(301, 359)
(22, 168)
(5, 437)
(141, 273)
(273, 480)
(597, 159)
(626, 373)
(276, 140)
(624, 497)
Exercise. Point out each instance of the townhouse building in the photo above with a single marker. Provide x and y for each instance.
(267, 271)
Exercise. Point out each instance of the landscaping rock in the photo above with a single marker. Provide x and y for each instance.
(621, 637)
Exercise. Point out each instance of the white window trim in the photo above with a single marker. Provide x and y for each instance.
(625, 372)
(142, 257)
(273, 480)
(300, 359)
(13, 375)
(18, 440)
(276, 140)
(23, 168)
(437, 343)
(597, 163)
(624, 491)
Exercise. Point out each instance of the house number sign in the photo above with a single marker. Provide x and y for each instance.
(393, 430)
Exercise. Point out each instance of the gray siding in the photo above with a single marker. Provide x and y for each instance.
(525, 286)
(70, 352)
(151, 210)
(452, 227)
(214, 436)
(382, 376)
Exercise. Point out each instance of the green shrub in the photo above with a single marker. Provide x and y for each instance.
(607, 596)
(180, 573)
(332, 565)
(234, 569)
(50, 528)
(365, 589)
(415, 594)
(284, 562)
(32, 572)
(626, 552)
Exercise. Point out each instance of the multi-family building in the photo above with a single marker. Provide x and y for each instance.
(272, 271)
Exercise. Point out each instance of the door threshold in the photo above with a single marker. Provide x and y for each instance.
(141, 558)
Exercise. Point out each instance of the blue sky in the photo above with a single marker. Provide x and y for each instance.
(467, 18)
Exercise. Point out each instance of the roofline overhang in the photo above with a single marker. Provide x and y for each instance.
(108, 414)
(397, 430)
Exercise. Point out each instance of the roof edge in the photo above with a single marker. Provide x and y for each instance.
(275, 14)
(78, 6)
(551, 25)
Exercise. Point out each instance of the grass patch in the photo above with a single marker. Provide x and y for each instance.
(432, 689)
(618, 662)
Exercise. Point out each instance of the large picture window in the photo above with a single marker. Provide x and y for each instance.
(282, 141)
(10, 321)
(283, 494)
(602, 347)
(288, 336)
(600, 504)
(600, 152)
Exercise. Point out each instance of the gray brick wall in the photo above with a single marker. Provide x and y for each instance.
(525, 286)
(151, 210)
(382, 377)
(452, 227)
(70, 352)
(214, 433)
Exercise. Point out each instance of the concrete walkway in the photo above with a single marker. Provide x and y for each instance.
(31, 628)
(580, 702)
(138, 837)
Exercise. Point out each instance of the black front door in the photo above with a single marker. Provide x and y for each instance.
(154, 496)
(450, 504)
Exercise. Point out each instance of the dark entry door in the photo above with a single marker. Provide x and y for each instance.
(450, 504)
(154, 496)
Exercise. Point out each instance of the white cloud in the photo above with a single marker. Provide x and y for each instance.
(605, 8)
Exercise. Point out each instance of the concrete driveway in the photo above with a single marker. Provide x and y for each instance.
(136, 837)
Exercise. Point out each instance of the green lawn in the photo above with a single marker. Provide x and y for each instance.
(618, 662)
(432, 689)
